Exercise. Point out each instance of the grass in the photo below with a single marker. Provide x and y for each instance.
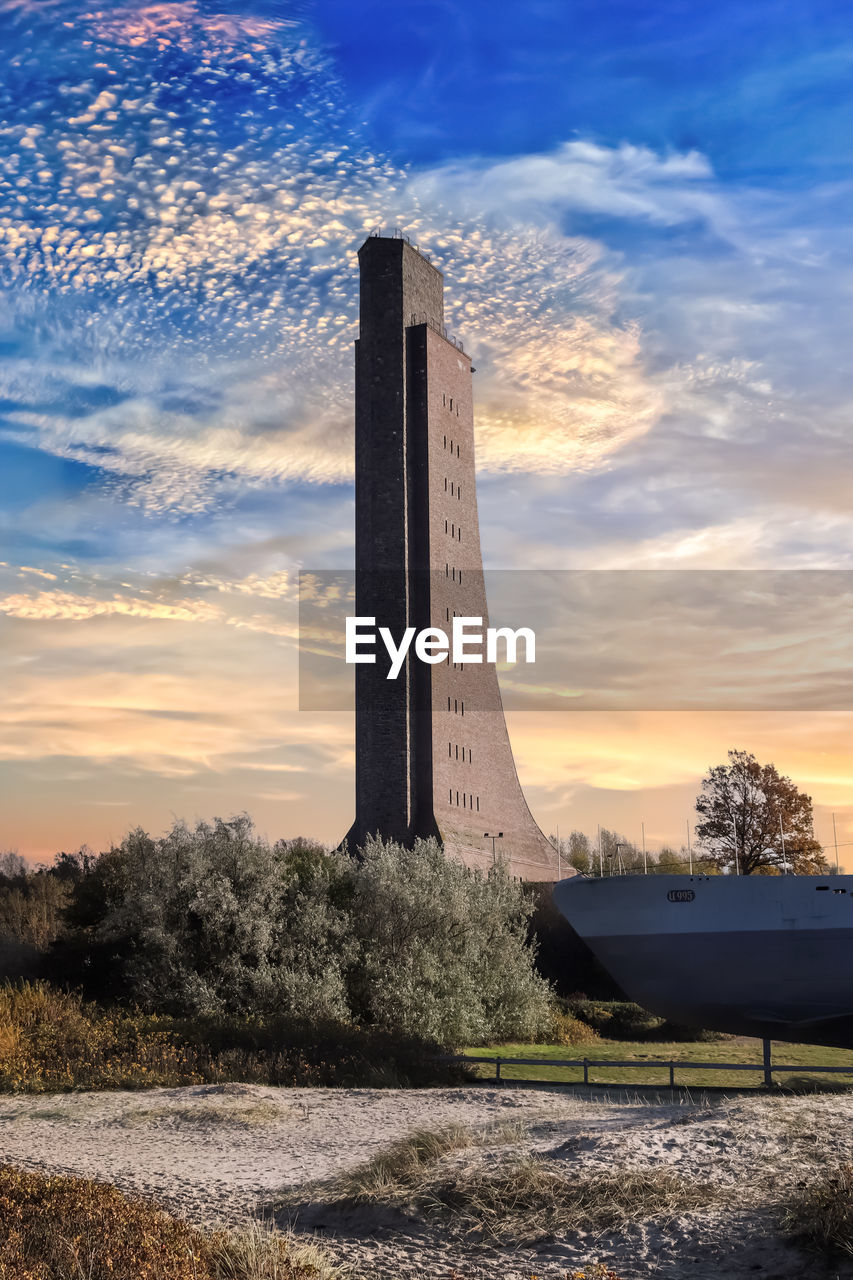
(518, 1200)
(53, 1041)
(404, 1168)
(524, 1201)
(215, 1111)
(821, 1215)
(400, 1167)
(61, 1228)
(733, 1050)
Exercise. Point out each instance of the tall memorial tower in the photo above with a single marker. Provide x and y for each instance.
(433, 756)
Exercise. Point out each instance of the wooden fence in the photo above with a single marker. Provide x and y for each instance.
(767, 1066)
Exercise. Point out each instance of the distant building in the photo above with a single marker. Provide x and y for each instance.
(433, 756)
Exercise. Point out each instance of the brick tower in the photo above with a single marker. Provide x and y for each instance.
(433, 756)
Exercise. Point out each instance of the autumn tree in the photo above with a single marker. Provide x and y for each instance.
(754, 820)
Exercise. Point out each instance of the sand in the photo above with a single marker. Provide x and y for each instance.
(219, 1153)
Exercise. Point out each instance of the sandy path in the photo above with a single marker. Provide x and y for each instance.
(215, 1153)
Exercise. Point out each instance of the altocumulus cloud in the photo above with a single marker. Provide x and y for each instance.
(186, 195)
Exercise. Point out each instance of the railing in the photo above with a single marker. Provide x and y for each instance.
(397, 234)
(768, 1068)
(421, 317)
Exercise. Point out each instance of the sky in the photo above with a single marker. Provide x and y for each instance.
(642, 215)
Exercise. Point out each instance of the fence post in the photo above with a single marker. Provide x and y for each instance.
(586, 1070)
(768, 1068)
(672, 1075)
(497, 1070)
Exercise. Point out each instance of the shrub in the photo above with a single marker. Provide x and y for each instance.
(624, 1020)
(615, 1019)
(566, 1029)
(214, 922)
(443, 950)
(61, 1228)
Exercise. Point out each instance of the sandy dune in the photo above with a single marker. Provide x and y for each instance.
(217, 1153)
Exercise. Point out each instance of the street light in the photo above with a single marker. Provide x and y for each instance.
(499, 836)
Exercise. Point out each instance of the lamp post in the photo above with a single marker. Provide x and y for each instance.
(493, 838)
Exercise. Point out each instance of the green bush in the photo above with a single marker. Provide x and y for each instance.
(615, 1019)
(214, 922)
(624, 1020)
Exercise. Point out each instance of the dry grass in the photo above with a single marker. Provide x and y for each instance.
(402, 1172)
(218, 1112)
(400, 1167)
(821, 1215)
(53, 1041)
(257, 1254)
(520, 1201)
(60, 1228)
(525, 1201)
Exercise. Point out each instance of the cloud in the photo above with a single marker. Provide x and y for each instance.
(624, 182)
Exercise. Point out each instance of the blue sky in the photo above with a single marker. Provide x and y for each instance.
(642, 213)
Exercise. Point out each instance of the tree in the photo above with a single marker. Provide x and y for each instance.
(13, 868)
(746, 809)
(579, 853)
(576, 851)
